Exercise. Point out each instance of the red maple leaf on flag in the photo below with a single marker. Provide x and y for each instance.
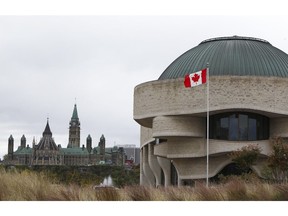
(196, 77)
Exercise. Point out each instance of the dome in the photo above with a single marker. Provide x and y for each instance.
(234, 56)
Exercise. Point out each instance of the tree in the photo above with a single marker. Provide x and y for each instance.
(246, 157)
(278, 160)
(5, 157)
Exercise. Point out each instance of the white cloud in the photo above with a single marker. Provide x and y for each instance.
(48, 61)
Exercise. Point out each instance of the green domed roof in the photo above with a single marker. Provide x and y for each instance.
(235, 56)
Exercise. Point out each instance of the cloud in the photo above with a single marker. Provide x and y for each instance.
(48, 61)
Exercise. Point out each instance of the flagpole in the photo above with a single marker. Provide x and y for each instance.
(207, 135)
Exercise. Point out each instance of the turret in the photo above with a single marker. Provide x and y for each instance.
(23, 142)
(33, 142)
(10, 147)
(102, 145)
(89, 143)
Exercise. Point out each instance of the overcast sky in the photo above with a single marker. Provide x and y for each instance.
(48, 61)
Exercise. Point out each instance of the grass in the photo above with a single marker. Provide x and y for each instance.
(31, 186)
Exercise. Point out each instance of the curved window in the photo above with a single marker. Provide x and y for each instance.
(239, 126)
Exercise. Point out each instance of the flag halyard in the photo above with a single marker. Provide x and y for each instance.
(195, 79)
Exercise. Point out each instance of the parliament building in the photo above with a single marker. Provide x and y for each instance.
(47, 152)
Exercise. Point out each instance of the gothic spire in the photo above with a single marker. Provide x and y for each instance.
(75, 113)
(33, 142)
(11, 137)
(89, 137)
(23, 137)
(47, 130)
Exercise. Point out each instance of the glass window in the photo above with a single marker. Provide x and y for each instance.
(224, 128)
(239, 126)
(218, 129)
(233, 127)
(252, 135)
(243, 127)
(265, 128)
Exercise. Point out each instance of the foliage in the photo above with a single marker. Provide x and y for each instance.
(5, 157)
(122, 177)
(246, 156)
(244, 177)
(278, 160)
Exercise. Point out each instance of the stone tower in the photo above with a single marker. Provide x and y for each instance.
(89, 143)
(23, 142)
(74, 130)
(102, 147)
(10, 147)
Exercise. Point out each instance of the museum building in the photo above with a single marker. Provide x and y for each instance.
(248, 105)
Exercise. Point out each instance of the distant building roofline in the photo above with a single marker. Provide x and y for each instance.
(127, 145)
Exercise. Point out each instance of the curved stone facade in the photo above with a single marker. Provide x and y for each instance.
(171, 126)
(248, 79)
(173, 123)
(267, 95)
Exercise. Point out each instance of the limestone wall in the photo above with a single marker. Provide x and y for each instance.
(279, 126)
(167, 126)
(169, 97)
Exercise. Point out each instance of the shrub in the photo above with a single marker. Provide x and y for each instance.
(245, 177)
(246, 156)
(278, 160)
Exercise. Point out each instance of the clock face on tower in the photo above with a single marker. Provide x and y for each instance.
(74, 123)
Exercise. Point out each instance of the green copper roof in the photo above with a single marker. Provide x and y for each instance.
(75, 114)
(21, 150)
(238, 56)
(74, 151)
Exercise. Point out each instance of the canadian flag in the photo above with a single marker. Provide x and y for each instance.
(195, 79)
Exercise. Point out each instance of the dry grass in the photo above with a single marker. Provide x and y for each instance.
(176, 194)
(138, 193)
(212, 193)
(25, 186)
(29, 186)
